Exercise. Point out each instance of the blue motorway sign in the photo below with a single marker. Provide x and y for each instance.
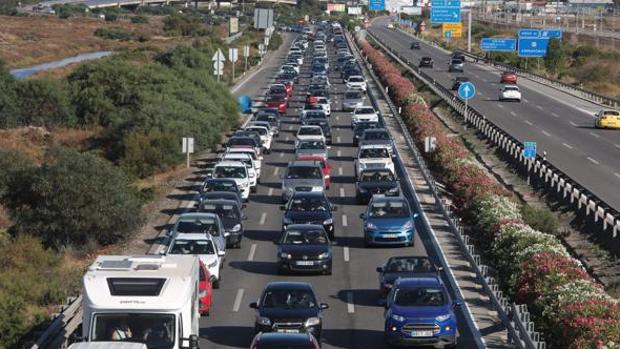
(533, 47)
(376, 5)
(551, 33)
(445, 11)
(467, 90)
(529, 33)
(498, 44)
(529, 150)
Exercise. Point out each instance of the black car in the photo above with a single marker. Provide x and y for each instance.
(415, 45)
(219, 195)
(350, 72)
(376, 181)
(247, 133)
(377, 136)
(318, 69)
(271, 115)
(309, 207)
(315, 87)
(289, 307)
(273, 340)
(359, 129)
(288, 75)
(459, 56)
(327, 130)
(304, 248)
(426, 62)
(404, 267)
(232, 218)
(243, 141)
(458, 81)
(221, 184)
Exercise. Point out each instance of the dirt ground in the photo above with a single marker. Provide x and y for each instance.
(26, 41)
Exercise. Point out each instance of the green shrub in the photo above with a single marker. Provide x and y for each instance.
(44, 102)
(12, 163)
(275, 41)
(114, 34)
(9, 107)
(74, 199)
(139, 19)
(13, 322)
(143, 155)
(540, 219)
(184, 25)
(68, 10)
(157, 10)
(111, 17)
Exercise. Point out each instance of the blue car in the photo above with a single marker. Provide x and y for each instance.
(388, 221)
(419, 312)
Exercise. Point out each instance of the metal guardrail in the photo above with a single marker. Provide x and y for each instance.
(564, 87)
(539, 169)
(62, 326)
(515, 317)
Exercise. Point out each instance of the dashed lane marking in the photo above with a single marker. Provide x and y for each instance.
(340, 172)
(617, 174)
(345, 252)
(282, 154)
(529, 122)
(567, 146)
(275, 171)
(238, 300)
(539, 107)
(546, 133)
(252, 252)
(270, 192)
(555, 115)
(263, 217)
(573, 124)
(501, 106)
(350, 305)
(513, 113)
(338, 139)
(341, 192)
(594, 135)
(344, 221)
(593, 160)
(339, 153)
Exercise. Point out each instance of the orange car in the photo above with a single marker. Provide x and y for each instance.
(508, 77)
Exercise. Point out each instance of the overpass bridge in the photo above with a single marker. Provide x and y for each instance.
(92, 4)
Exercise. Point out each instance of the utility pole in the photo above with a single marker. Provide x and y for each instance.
(469, 31)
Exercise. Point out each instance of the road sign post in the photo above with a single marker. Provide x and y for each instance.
(218, 63)
(467, 91)
(233, 56)
(246, 54)
(188, 147)
(529, 153)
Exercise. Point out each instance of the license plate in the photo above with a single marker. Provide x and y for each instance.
(305, 262)
(287, 330)
(421, 333)
(390, 235)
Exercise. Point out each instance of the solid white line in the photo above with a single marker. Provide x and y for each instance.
(528, 122)
(617, 146)
(340, 171)
(290, 127)
(238, 299)
(546, 133)
(263, 217)
(341, 192)
(350, 305)
(573, 124)
(513, 113)
(252, 252)
(594, 161)
(555, 115)
(275, 172)
(337, 118)
(345, 251)
(615, 174)
(270, 193)
(339, 153)
(567, 146)
(501, 106)
(595, 135)
(338, 139)
(539, 107)
(525, 100)
(286, 139)
(344, 220)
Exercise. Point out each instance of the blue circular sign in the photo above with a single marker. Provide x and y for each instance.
(467, 90)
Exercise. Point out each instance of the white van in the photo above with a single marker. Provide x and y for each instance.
(152, 300)
(237, 171)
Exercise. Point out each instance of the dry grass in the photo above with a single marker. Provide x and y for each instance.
(26, 41)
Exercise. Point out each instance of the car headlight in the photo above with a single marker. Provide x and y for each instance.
(285, 255)
(387, 285)
(408, 225)
(286, 220)
(263, 321)
(398, 318)
(212, 265)
(362, 189)
(244, 185)
(236, 228)
(317, 188)
(442, 318)
(313, 321)
(393, 190)
(371, 226)
(324, 255)
(328, 221)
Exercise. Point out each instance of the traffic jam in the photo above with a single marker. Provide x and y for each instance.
(158, 301)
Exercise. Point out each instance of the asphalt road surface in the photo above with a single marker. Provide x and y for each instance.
(562, 125)
(354, 319)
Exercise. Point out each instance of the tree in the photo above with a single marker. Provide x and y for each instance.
(8, 98)
(555, 59)
(74, 199)
(44, 102)
(12, 163)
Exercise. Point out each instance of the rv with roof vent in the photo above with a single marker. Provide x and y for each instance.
(152, 300)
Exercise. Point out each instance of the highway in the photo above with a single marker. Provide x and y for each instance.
(354, 319)
(561, 124)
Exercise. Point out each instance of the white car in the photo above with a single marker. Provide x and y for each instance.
(258, 159)
(364, 113)
(237, 171)
(510, 93)
(265, 136)
(203, 246)
(324, 103)
(356, 82)
(373, 156)
(309, 132)
(265, 124)
(249, 163)
(292, 65)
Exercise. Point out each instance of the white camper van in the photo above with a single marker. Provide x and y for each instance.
(145, 299)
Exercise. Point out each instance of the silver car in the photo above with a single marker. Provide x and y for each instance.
(456, 65)
(353, 99)
(312, 147)
(302, 176)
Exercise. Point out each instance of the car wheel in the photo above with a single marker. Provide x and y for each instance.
(328, 272)
(253, 189)
(216, 283)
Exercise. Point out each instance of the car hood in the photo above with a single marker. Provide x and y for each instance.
(389, 278)
(376, 141)
(301, 182)
(288, 315)
(420, 313)
(310, 251)
(307, 217)
(389, 223)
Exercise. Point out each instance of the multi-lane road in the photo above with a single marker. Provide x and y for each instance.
(561, 124)
(354, 319)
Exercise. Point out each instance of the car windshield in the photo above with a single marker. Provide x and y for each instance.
(457, 61)
(511, 88)
(260, 130)
(355, 79)
(309, 131)
(305, 237)
(230, 172)
(409, 264)
(373, 153)
(419, 296)
(222, 210)
(364, 111)
(312, 107)
(611, 113)
(157, 331)
(277, 89)
(315, 115)
(388, 209)
(314, 145)
(359, 128)
(309, 204)
(199, 226)
(377, 176)
(374, 135)
(352, 95)
(192, 247)
(290, 299)
(304, 172)
(242, 141)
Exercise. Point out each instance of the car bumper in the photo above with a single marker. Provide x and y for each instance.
(305, 266)
(350, 106)
(234, 237)
(314, 330)
(389, 238)
(440, 341)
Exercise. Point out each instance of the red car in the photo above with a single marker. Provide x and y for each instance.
(277, 102)
(325, 167)
(288, 85)
(508, 77)
(205, 289)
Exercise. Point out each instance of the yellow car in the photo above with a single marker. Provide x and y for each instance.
(607, 118)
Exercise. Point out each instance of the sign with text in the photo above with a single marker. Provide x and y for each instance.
(445, 11)
(233, 26)
(455, 28)
(498, 44)
(354, 10)
(532, 47)
(376, 5)
(333, 7)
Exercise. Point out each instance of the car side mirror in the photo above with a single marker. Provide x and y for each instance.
(362, 215)
(383, 303)
(458, 303)
(193, 341)
(334, 208)
(324, 306)
(282, 207)
(221, 253)
(415, 215)
(226, 234)
(379, 269)
(254, 305)
(276, 242)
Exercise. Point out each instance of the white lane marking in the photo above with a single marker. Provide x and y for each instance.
(615, 174)
(338, 139)
(341, 192)
(270, 193)
(344, 220)
(477, 76)
(595, 135)
(350, 305)
(263, 217)
(528, 122)
(281, 155)
(340, 171)
(525, 100)
(290, 127)
(252, 252)
(573, 124)
(345, 251)
(546, 133)
(617, 146)
(238, 299)
(501, 106)
(555, 115)
(539, 107)
(513, 113)
(337, 118)
(593, 160)
(339, 153)
(275, 172)
(286, 139)
(567, 146)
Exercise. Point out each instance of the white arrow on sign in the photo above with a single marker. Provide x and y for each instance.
(218, 65)
(218, 56)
